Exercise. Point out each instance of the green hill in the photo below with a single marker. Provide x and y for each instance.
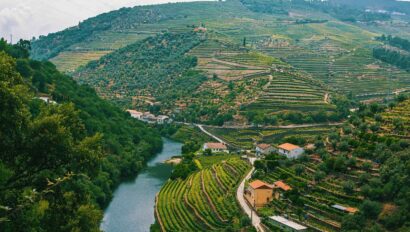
(60, 161)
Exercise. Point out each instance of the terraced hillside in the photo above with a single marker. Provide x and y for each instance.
(286, 91)
(396, 121)
(246, 138)
(205, 201)
(149, 70)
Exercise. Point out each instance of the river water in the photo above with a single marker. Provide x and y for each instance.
(132, 208)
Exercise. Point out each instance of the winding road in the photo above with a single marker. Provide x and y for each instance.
(256, 220)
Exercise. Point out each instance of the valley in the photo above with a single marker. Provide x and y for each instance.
(272, 116)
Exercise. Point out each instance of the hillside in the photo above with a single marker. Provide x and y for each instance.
(61, 161)
(242, 47)
(154, 68)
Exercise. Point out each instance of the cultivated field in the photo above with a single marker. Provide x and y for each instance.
(204, 201)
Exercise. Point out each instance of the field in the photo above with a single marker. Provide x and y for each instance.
(396, 121)
(204, 201)
(246, 138)
(286, 91)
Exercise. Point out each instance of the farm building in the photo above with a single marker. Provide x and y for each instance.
(259, 193)
(263, 149)
(291, 151)
(215, 147)
(287, 225)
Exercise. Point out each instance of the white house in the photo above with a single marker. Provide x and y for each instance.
(287, 225)
(135, 114)
(291, 151)
(215, 147)
(162, 119)
(263, 149)
(47, 100)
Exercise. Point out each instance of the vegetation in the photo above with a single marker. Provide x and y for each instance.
(204, 201)
(155, 67)
(355, 166)
(397, 55)
(60, 162)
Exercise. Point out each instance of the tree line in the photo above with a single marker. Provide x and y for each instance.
(59, 163)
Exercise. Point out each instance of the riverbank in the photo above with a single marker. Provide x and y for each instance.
(132, 207)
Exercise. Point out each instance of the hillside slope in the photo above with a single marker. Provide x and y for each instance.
(61, 161)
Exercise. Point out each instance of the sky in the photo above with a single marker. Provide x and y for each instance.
(28, 18)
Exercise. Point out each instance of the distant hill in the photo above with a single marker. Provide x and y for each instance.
(241, 44)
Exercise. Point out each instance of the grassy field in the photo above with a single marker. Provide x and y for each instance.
(204, 201)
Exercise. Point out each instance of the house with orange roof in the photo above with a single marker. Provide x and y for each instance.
(291, 151)
(259, 193)
(263, 149)
(215, 147)
(280, 187)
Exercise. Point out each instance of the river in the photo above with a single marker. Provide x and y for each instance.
(132, 208)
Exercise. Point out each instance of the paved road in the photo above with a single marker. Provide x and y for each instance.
(256, 220)
(201, 127)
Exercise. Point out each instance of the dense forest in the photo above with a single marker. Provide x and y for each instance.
(145, 69)
(60, 162)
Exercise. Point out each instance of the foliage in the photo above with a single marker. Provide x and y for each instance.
(60, 162)
(155, 67)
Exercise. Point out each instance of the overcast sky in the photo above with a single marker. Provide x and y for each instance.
(28, 18)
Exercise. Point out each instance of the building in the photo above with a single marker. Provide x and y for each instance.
(215, 147)
(47, 100)
(287, 225)
(200, 29)
(135, 114)
(290, 151)
(259, 193)
(149, 118)
(345, 209)
(162, 119)
(263, 149)
(280, 187)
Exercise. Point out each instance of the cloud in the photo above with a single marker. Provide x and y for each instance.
(28, 18)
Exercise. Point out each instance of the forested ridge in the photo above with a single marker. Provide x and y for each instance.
(60, 162)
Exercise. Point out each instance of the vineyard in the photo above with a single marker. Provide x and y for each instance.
(290, 92)
(204, 201)
(396, 121)
(245, 138)
(347, 69)
(313, 207)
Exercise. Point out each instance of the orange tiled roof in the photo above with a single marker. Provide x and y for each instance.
(216, 146)
(288, 146)
(258, 184)
(263, 146)
(280, 184)
(351, 209)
